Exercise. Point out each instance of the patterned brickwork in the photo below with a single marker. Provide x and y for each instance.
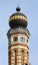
(18, 51)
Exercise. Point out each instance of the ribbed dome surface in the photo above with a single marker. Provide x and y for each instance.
(18, 19)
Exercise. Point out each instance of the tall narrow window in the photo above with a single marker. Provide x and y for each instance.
(26, 64)
(15, 57)
(22, 57)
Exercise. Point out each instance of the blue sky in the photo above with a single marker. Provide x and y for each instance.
(30, 9)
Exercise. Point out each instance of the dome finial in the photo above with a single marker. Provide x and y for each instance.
(18, 8)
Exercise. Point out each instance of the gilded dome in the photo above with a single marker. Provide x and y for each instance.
(18, 19)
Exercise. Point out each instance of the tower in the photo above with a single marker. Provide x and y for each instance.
(18, 36)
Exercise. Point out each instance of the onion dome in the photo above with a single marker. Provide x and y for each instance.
(18, 19)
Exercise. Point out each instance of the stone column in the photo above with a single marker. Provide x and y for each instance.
(19, 57)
